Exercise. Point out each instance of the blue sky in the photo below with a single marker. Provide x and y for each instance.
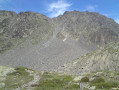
(53, 8)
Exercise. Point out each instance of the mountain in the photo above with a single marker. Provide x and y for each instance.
(35, 41)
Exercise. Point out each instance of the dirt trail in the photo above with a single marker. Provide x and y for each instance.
(34, 81)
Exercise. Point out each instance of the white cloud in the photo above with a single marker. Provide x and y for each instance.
(58, 8)
(91, 8)
(117, 20)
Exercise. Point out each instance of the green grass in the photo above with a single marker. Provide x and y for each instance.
(74, 87)
(48, 81)
(105, 85)
(53, 81)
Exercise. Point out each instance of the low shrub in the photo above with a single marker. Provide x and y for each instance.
(84, 79)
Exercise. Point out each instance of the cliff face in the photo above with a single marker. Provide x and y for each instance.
(103, 37)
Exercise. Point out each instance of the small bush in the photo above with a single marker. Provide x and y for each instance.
(20, 71)
(98, 80)
(85, 79)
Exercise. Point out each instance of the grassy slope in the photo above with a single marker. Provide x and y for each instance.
(49, 81)
(16, 78)
(57, 81)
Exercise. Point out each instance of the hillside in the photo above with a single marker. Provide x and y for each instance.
(105, 59)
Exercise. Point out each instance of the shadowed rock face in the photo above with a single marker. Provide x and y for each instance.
(36, 41)
(103, 37)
